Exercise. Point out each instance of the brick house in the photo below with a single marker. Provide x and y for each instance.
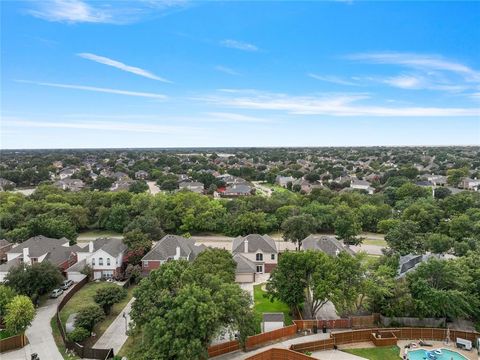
(260, 249)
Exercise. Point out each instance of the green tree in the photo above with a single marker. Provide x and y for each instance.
(217, 262)
(19, 314)
(454, 176)
(297, 228)
(118, 218)
(88, 316)
(6, 295)
(53, 227)
(102, 183)
(404, 238)
(439, 243)
(303, 280)
(35, 280)
(78, 334)
(106, 297)
(138, 187)
(347, 226)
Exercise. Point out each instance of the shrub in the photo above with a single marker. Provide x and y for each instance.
(88, 317)
(107, 296)
(78, 334)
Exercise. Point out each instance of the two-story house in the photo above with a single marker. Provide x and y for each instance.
(170, 247)
(260, 249)
(105, 256)
(38, 249)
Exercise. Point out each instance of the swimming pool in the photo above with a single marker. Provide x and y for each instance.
(446, 355)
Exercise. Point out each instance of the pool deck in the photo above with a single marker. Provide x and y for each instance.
(471, 355)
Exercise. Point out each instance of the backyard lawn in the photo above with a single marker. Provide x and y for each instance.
(84, 297)
(379, 353)
(263, 304)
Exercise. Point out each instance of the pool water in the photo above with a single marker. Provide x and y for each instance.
(446, 355)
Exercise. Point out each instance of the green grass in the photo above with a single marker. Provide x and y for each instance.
(378, 242)
(128, 346)
(84, 297)
(263, 304)
(58, 340)
(5, 334)
(380, 353)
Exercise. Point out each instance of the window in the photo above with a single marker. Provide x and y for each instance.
(145, 263)
(93, 261)
(259, 257)
(100, 261)
(108, 261)
(273, 257)
(259, 268)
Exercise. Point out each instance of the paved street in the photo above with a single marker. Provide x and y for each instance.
(40, 336)
(114, 337)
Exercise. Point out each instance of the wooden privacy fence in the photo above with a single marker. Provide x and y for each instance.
(354, 336)
(355, 322)
(223, 348)
(279, 354)
(256, 340)
(80, 350)
(13, 342)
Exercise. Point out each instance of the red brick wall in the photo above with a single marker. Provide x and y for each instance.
(270, 267)
(152, 265)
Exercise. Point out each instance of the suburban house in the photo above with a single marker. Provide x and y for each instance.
(66, 173)
(194, 186)
(272, 321)
(105, 256)
(245, 271)
(237, 190)
(121, 185)
(141, 175)
(284, 180)
(362, 185)
(4, 247)
(38, 249)
(6, 184)
(410, 262)
(327, 244)
(437, 180)
(170, 247)
(470, 184)
(261, 250)
(70, 184)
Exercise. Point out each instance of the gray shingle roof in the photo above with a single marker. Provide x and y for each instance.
(3, 243)
(328, 244)
(167, 247)
(274, 317)
(39, 245)
(5, 267)
(255, 242)
(244, 265)
(111, 246)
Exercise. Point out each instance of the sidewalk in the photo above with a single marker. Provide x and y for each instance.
(114, 337)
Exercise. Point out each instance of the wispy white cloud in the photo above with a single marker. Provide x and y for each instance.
(330, 105)
(122, 66)
(239, 45)
(98, 89)
(405, 82)
(225, 116)
(112, 12)
(419, 61)
(226, 70)
(98, 125)
(332, 79)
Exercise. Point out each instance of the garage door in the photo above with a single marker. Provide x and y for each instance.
(244, 278)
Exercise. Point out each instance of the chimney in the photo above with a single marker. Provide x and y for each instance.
(245, 243)
(177, 253)
(26, 256)
(90, 247)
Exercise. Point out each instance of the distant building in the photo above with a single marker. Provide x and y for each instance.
(437, 180)
(141, 175)
(470, 184)
(121, 185)
(362, 185)
(237, 190)
(193, 186)
(66, 173)
(70, 184)
(410, 262)
(6, 184)
(259, 249)
(5, 246)
(327, 244)
(284, 180)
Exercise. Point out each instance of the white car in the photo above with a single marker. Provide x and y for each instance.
(56, 293)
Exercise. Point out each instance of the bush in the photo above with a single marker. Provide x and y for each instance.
(78, 334)
(106, 297)
(88, 317)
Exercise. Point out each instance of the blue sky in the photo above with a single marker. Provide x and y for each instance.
(146, 73)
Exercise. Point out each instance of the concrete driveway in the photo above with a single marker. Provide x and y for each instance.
(39, 335)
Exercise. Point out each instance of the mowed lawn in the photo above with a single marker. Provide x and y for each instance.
(379, 353)
(263, 304)
(84, 297)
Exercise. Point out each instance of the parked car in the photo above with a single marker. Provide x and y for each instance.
(56, 293)
(66, 284)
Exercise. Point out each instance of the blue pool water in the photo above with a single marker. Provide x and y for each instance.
(446, 355)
